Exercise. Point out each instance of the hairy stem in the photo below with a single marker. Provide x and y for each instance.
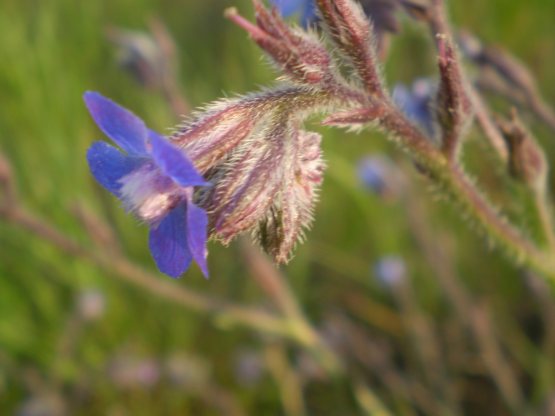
(451, 179)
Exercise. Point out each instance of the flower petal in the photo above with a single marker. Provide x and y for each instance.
(108, 165)
(173, 162)
(122, 126)
(288, 7)
(168, 243)
(197, 223)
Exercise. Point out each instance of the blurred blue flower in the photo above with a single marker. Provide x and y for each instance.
(155, 180)
(378, 174)
(415, 101)
(141, 55)
(305, 8)
(249, 367)
(391, 271)
(372, 172)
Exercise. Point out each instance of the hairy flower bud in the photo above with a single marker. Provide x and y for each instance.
(352, 32)
(263, 168)
(527, 161)
(299, 54)
(291, 210)
(454, 108)
(494, 59)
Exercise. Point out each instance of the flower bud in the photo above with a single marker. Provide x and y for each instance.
(143, 56)
(300, 54)
(291, 209)
(454, 108)
(353, 34)
(264, 170)
(527, 161)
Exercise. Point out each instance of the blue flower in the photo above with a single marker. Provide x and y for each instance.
(372, 172)
(378, 174)
(305, 8)
(155, 180)
(415, 101)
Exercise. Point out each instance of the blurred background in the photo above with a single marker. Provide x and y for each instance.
(392, 305)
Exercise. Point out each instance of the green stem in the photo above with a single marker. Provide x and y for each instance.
(451, 178)
(545, 217)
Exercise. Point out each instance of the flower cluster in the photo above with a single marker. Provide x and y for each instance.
(247, 165)
(242, 165)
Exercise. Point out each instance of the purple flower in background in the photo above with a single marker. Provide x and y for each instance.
(391, 271)
(372, 172)
(305, 8)
(415, 101)
(155, 180)
(379, 174)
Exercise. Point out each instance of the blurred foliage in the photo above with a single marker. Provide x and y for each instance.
(50, 357)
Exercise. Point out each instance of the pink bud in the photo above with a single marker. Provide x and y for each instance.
(298, 53)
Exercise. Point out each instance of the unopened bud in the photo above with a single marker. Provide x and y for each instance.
(264, 170)
(527, 161)
(352, 32)
(454, 108)
(501, 72)
(300, 54)
(142, 55)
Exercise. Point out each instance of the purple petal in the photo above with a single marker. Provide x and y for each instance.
(309, 13)
(288, 7)
(122, 126)
(168, 243)
(173, 163)
(197, 223)
(108, 165)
